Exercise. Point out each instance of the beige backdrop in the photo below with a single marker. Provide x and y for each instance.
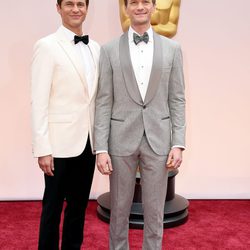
(215, 38)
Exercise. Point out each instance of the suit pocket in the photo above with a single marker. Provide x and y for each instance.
(60, 118)
(117, 120)
(165, 118)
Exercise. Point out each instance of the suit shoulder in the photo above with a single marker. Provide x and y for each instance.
(169, 42)
(111, 44)
(45, 42)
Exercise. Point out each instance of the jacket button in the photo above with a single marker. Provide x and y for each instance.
(144, 106)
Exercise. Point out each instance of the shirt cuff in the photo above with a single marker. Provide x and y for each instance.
(101, 151)
(179, 146)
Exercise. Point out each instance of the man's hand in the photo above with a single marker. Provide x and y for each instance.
(174, 158)
(103, 163)
(46, 163)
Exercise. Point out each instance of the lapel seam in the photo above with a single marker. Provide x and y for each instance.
(70, 53)
(156, 70)
(128, 71)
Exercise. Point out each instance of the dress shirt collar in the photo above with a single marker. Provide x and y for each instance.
(68, 33)
(131, 31)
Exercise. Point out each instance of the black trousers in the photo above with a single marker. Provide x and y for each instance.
(71, 182)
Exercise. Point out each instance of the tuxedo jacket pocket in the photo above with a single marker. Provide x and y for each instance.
(60, 118)
(117, 120)
(165, 118)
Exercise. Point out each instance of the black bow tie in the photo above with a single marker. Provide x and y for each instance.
(138, 39)
(84, 39)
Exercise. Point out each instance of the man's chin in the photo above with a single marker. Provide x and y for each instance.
(141, 22)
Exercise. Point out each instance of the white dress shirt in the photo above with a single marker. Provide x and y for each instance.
(85, 56)
(142, 59)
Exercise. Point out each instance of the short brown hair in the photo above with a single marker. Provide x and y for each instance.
(59, 2)
(126, 2)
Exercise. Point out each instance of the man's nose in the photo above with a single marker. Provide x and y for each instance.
(75, 8)
(140, 6)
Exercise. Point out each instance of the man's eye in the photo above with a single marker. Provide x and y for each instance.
(80, 5)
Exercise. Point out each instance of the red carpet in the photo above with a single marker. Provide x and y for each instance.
(212, 225)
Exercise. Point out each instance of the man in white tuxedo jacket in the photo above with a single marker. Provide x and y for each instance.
(140, 121)
(64, 84)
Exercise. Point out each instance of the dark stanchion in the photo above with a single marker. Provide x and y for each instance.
(175, 210)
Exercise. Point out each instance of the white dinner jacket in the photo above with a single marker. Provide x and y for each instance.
(62, 108)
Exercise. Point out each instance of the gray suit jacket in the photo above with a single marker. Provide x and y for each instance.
(121, 115)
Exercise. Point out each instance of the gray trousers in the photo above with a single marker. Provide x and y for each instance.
(154, 177)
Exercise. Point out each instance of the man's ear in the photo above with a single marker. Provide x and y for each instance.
(58, 7)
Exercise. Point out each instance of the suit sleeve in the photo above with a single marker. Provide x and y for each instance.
(176, 100)
(104, 103)
(41, 80)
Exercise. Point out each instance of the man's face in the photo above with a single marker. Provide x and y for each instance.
(73, 13)
(140, 11)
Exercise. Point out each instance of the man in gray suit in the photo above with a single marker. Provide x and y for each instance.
(140, 121)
